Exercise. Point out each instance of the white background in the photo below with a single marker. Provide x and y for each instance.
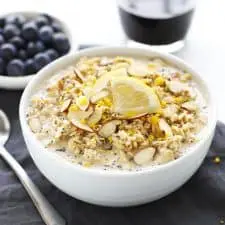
(97, 22)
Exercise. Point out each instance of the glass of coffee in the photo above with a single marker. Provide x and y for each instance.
(162, 24)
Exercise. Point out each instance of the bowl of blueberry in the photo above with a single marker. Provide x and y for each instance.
(28, 42)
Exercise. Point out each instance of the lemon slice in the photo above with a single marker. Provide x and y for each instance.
(132, 98)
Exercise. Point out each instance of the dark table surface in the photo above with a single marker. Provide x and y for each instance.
(201, 201)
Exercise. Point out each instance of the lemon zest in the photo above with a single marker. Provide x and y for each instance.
(83, 100)
(163, 104)
(159, 81)
(73, 108)
(151, 138)
(110, 139)
(87, 164)
(154, 120)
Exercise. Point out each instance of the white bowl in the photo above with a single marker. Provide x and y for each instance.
(20, 82)
(115, 188)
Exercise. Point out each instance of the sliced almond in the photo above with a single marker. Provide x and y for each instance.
(165, 127)
(95, 117)
(88, 92)
(105, 61)
(99, 95)
(80, 125)
(109, 128)
(79, 115)
(170, 110)
(120, 65)
(168, 99)
(144, 156)
(76, 118)
(35, 125)
(82, 102)
(185, 77)
(65, 105)
(79, 74)
(165, 155)
(117, 72)
(130, 117)
(159, 62)
(176, 86)
(138, 69)
(77, 83)
(53, 90)
(190, 106)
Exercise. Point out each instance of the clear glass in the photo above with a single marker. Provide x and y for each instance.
(161, 24)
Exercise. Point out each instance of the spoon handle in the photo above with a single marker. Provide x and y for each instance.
(49, 215)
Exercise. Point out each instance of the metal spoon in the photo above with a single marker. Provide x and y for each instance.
(47, 212)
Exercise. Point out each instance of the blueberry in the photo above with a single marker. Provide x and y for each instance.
(56, 27)
(30, 66)
(17, 19)
(41, 21)
(15, 67)
(35, 47)
(52, 53)
(22, 54)
(40, 60)
(2, 66)
(45, 34)
(40, 46)
(11, 30)
(2, 22)
(48, 17)
(2, 39)
(31, 49)
(30, 31)
(8, 51)
(18, 42)
(61, 42)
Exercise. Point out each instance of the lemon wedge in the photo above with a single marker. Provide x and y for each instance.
(133, 98)
(103, 81)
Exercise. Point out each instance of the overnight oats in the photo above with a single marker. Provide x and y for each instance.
(118, 112)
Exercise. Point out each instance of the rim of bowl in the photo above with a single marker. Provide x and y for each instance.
(20, 82)
(112, 51)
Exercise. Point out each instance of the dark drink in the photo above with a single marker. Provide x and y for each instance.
(156, 22)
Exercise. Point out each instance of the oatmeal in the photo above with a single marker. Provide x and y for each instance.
(118, 112)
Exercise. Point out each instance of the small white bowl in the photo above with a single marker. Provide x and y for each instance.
(116, 188)
(20, 82)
